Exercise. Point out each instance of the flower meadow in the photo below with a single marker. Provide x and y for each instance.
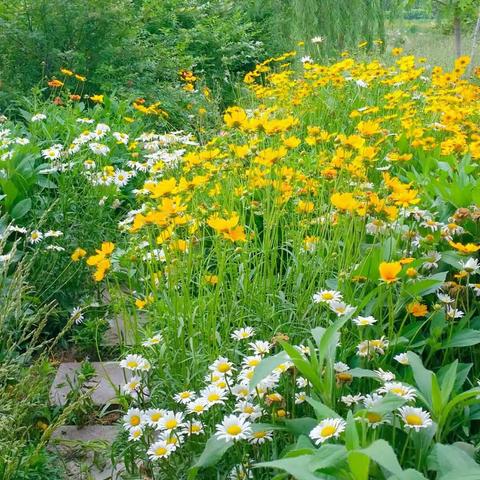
(301, 280)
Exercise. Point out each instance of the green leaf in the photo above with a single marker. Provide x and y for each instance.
(44, 182)
(448, 458)
(296, 466)
(362, 373)
(304, 467)
(425, 286)
(300, 426)
(266, 366)
(464, 338)
(322, 410)
(303, 365)
(423, 377)
(359, 464)
(352, 440)
(211, 455)
(21, 208)
(382, 453)
(409, 474)
(448, 381)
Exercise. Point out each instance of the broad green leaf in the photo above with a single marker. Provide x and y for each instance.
(382, 453)
(448, 458)
(212, 453)
(423, 377)
(362, 373)
(296, 466)
(464, 338)
(266, 366)
(21, 208)
(424, 286)
(44, 182)
(322, 410)
(327, 456)
(447, 382)
(409, 474)
(300, 426)
(352, 440)
(359, 464)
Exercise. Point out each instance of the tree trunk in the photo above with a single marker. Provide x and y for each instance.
(457, 26)
(474, 43)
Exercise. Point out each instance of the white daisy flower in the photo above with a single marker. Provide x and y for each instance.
(385, 376)
(397, 388)
(233, 428)
(453, 312)
(132, 386)
(214, 395)
(35, 236)
(300, 397)
(471, 266)
(260, 436)
(133, 418)
(193, 428)
(243, 333)
(260, 347)
(38, 117)
(152, 417)
(364, 321)
(133, 362)
(184, 397)
(222, 366)
(135, 433)
(326, 429)
(171, 421)
(415, 418)
(341, 308)
(327, 296)
(152, 341)
(350, 400)
(160, 449)
(401, 358)
(198, 406)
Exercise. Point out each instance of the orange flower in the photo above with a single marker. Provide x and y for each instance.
(389, 271)
(55, 83)
(417, 309)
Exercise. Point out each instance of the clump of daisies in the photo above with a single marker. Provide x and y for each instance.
(230, 409)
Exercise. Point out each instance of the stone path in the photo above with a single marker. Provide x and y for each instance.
(85, 451)
(106, 383)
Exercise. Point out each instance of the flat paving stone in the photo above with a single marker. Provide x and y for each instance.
(88, 433)
(80, 459)
(105, 384)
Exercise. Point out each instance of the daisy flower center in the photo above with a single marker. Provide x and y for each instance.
(169, 424)
(328, 431)
(213, 397)
(155, 417)
(413, 419)
(234, 430)
(223, 367)
(373, 417)
(135, 420)
(160, 451)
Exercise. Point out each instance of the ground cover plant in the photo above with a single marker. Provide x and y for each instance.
(291, 258)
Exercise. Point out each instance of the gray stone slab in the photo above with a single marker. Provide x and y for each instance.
(105, 384)
(88, 433)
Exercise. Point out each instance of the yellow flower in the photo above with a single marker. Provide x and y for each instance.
(77, 254)
(389, 271)
(97, 98)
